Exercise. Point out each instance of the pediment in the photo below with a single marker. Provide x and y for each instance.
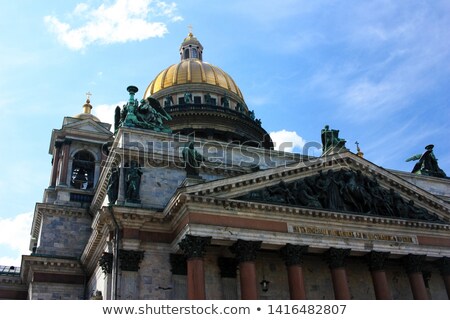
(87, 125)
(338, 183)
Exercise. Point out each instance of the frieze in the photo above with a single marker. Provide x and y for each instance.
(353, 234)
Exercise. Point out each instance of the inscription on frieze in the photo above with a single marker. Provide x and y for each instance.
(353, 234)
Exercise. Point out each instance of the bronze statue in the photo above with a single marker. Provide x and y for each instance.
(427, 164)
(192, 160)
(188, 98)
(113, 186)
(147, 115)
(331, 140)
(168, 101)
(133, 182)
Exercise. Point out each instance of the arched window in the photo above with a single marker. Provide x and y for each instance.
(83, 167)
(186, 53)
(194, 53)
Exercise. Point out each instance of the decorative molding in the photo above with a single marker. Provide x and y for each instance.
(336, 257)
(376, 260)
(130, 259)
(106, 262)
(302, 211)
(194, 246)
(245, 251)
(293, 254)
(228, 267)
(413, 263)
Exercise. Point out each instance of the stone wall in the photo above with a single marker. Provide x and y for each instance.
(55, 291)
(64, 235)
(158, 185)
(155, 277)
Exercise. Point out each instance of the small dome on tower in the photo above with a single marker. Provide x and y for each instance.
(86, 114)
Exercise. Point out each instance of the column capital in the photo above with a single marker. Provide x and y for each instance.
(58, 144)
(336, 257)
(106, 262)
(245, 251)
(293, 254)
(444, 265)
(194, 246)
(376, 260)
(413, 263)
(130, 259)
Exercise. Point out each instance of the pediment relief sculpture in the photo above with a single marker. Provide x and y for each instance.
(343, 191)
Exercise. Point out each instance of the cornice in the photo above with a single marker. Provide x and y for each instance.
(237, 186)
(269, 210)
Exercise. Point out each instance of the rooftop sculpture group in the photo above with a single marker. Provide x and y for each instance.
(148, 114)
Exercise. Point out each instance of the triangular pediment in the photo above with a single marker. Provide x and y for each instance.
(339, 183)
(87, 125)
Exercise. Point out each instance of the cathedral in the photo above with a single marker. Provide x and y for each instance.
(184, 197)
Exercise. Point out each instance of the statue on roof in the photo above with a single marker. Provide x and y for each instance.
(148, 114)
(331, 140)
(427, 164)
(192, 160)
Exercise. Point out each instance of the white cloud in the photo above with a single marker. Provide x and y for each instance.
(287, 140)
(105, 112)
(122, 21)
(15, 235)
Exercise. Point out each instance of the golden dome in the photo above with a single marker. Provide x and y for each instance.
(192, 71)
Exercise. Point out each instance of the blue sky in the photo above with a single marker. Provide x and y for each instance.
(376, 70)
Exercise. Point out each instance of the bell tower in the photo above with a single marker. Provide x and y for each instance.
(62, 223)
